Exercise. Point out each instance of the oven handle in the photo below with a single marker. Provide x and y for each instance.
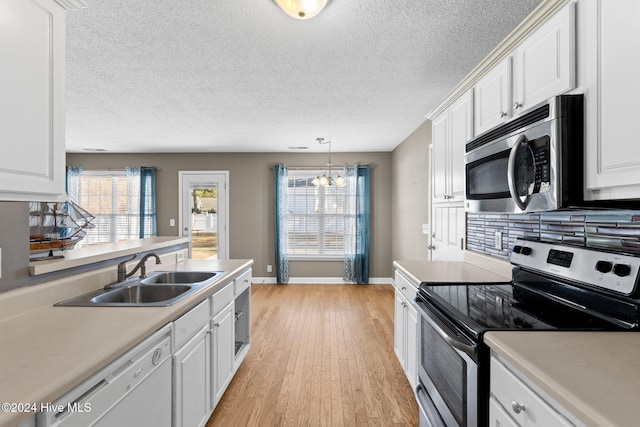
(446, 332)
(511, 174)
(427, 407)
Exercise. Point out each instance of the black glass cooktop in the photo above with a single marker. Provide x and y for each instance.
(477, 308)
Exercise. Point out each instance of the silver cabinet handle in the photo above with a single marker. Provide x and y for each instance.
(517, 407)
(217, 325)
(404, 288)
(431, 247)
(516, 105)
(503, 114)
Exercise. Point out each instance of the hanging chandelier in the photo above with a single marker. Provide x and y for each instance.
(301, 9)
(330, 180)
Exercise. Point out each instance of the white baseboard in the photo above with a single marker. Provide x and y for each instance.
(323, 280)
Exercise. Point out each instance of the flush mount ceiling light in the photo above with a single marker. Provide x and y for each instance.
(324, 180)
(301, 9)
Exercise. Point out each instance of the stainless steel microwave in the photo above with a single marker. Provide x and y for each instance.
(532, 163)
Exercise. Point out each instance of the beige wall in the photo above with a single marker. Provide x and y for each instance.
(410, 196)
(250, 200)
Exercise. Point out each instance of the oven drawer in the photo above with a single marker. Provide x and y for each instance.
(522, 404)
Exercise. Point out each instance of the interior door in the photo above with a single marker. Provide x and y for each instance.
(204, 204)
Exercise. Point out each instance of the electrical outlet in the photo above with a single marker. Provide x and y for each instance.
(498, 240)
(172, 222)
(269, 268)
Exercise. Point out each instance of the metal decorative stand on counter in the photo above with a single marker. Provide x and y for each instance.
(56, 226)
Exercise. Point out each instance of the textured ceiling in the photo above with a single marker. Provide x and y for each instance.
(213, 75)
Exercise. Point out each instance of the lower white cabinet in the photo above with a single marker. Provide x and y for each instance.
(222, 350)
(405, 335)
(515, 403)
(191, 381)
(191, 365)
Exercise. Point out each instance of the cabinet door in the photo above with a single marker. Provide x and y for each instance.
(544, 64)
(460, 131)
(399, 327)
(222, 327)
(498, 417)
(613, 153)
(492, 97)
(191, 379)
(439, 132)
(449, 224)
(32, 48)
(411, 358)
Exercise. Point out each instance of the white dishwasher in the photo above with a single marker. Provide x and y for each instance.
(135, 390)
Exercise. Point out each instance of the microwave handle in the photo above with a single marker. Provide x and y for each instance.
(511, 173)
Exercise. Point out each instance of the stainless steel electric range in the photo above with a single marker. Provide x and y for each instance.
(553, 287)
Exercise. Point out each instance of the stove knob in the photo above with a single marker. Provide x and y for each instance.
(621, 270)
(517, 249)
(604, 266)
(526, 250)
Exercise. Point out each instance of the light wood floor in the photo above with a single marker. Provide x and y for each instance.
(320, 355)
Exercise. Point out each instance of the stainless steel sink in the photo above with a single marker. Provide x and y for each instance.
(160, 288)
(142, 294)
(180, 276)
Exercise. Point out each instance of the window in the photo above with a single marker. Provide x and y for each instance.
(113, 197)
(315, 220)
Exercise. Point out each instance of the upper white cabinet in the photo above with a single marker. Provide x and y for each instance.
(450, 131)
(544, 64)
(32, 48)
(540, 67)
(492, 104)
(612, 58)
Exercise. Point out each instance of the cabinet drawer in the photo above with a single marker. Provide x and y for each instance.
(513, 394)
(221, 299)
(407, 288)
(187, 325)
(242, 282)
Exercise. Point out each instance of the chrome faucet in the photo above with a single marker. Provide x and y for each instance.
(122, 268)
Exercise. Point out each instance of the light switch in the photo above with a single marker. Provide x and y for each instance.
(425, 228)
(172, 222)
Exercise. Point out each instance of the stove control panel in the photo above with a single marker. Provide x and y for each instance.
(607, 270)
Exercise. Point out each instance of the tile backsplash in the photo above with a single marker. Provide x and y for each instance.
(607, 229)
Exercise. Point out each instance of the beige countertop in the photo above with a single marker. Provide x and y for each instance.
(91, 254)
(453, 271)
(46, 351)
(593, 375)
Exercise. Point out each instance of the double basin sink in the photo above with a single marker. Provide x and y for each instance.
(160, 288)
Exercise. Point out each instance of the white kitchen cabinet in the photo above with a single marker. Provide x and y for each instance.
(32, 48)
(515, 403)
(498, 417)
(448, 232)
(450, 131)
(191, 367)
(405, 337)
(222, 345)
(539, 68)
(612, 150)
(544, 64)
(492, 97)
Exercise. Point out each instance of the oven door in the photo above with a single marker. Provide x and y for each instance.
(448, 371)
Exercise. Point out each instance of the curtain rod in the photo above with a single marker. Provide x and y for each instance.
(303, 168)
